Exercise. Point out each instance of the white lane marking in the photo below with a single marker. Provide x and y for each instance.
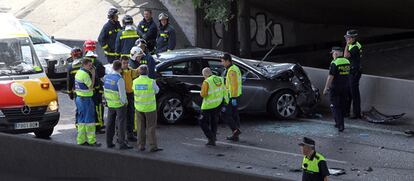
(267, 150)
(193, 145)
(358, 127)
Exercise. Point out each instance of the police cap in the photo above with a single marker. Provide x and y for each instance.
(308, 142)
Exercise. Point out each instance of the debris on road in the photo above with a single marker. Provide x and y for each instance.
(354, 169)
(249, 167)
(336, 171)
(220, 155)
(274, 168)
(374, 116)
(295, 170)
(369, 169)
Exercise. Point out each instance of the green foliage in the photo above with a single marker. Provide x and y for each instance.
(217, 11)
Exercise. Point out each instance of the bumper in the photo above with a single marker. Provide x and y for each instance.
(47, 121)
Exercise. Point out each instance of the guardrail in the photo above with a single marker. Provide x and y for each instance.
(388, 95)
(48, 160)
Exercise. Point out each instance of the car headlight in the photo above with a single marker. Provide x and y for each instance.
(53, 106)
(2, 115)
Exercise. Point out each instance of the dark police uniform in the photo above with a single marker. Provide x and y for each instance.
(107, 39)
(148, 30)
(315, 167)
(339, 69)
(355, 50)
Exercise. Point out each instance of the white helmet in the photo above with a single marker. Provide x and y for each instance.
(162, 16)
(135, 52)
(91, 54)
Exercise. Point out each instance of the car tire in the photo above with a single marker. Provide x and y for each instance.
(44, 134)
(283, 105)
(171, 109)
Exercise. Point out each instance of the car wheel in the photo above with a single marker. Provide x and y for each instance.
(283, 105)
(44, 134)
(171, 109)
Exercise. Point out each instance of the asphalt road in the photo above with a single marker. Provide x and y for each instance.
(269, 147)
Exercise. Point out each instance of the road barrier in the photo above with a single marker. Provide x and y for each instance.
(388, 95)
(49, 160)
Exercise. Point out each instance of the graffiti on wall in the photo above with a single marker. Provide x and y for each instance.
(264, 32)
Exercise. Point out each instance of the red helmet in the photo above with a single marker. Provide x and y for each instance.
(89, 45)
(76, 52)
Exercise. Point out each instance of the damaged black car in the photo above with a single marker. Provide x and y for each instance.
(281, 89)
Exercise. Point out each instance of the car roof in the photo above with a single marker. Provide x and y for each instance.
(188, 53)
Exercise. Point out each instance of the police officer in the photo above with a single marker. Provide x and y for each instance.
(213, 93)
(115, 95)
(337, 85)
(166, 35)
(108, 35)
(129, 75)
(73, 67)
(147, 29)
(126, 38)
(89, 49)
(314, 165)
(234, 90)
(353, 51)
(84, 81)
(139, 57)
(145, 89)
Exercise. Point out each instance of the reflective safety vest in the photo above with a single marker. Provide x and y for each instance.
(144, 94)
(144, 28)
(239, 81)
(357, 44)
(343, 65)
(216, 93)
(129, 34)
(83, 84)
(143, 62)
(311, 166)
(111, 91)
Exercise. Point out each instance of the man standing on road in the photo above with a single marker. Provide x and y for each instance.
(145, 89)
(314, 165)
(75, 64)
(166, 35)
(234, 90)
(147, 29)
(213, 93)
(129, 75)
(84, 81)
(353, 50)
(126, 38)
(337, 86)
(108, 35)
(115, 95)
(89, 50)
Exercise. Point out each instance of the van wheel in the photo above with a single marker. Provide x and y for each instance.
(171, 108)
(44, 134)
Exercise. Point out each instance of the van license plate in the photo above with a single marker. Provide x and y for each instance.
(27, 125)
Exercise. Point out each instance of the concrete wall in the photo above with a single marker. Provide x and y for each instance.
(185, 16)
(46, 160)
(388, 95)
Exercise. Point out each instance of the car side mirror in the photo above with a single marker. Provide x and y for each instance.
(53, 39)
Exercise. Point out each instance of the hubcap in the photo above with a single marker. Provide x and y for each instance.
(286, 105)
(173, 110)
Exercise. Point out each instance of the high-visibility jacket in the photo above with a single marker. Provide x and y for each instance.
(144, 94)
(125, 41)
(312, 165)
(340, 69)
(83, 83)
(111, 91)
(355, 58)
(230, 85)
(216, 93)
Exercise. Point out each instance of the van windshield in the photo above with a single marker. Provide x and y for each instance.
(17, 57)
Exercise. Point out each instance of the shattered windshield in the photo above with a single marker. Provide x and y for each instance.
(17, 57)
